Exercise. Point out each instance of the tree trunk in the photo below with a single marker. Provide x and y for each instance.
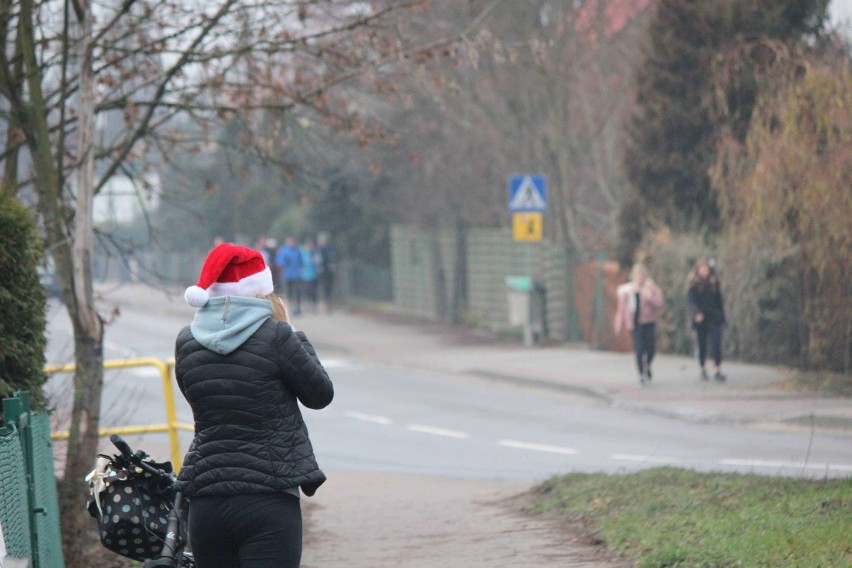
(88, 326)
(82, 448)
(71, 251)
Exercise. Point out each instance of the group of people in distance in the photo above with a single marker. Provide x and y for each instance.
(302, 272)
(640, 301)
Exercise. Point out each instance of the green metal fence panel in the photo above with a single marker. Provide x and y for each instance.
(13, 495)
(413, 269)
(491, 255)
(47, 501)
(29, 505)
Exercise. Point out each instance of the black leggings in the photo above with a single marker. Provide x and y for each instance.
(246, 531)
(293, 291)
(644, 344)
(713, 332)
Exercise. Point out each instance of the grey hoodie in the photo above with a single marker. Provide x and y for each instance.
(226, 322)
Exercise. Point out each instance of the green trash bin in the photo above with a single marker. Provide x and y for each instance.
(519, 289)
(527, 307)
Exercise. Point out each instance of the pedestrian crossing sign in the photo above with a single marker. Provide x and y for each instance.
(527, 226)
(527, 193)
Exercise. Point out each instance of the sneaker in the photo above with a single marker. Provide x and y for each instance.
(648, 374)
(704, 376)
(641, 379)
(719, 376)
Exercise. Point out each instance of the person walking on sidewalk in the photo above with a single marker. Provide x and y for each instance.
(326, 268)
(288, 261)
(637, 309)
(707, 310)
(309, 275)
(243, 368)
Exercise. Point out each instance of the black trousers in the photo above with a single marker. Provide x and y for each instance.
(708, 332)
(644, 344)
(246, 531)
(293, 292)
(326, 284)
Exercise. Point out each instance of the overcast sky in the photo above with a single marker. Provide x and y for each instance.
(841, 11)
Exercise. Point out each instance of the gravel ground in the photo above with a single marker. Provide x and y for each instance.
(382, 520)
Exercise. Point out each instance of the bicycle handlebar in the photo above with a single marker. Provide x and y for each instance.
(122, 446)
(136, 458)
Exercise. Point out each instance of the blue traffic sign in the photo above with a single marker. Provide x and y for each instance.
(527, 192)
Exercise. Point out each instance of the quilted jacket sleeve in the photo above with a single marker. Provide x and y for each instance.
(303, 372)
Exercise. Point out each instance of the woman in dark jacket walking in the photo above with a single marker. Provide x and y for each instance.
(708, 315)
(242, 367)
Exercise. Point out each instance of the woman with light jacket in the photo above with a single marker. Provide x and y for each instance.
(638, 307)
(243, 368)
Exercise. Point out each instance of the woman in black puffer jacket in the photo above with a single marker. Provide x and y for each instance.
(242, 368)
(704, 295)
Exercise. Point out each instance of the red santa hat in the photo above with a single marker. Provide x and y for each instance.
(230, 270)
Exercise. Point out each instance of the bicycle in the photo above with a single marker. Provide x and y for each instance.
(130, 493)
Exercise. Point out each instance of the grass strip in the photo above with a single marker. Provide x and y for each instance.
(678, 518)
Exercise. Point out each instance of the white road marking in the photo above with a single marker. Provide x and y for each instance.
(369, 418)
(648, 459)
(784, 464)
(339, 364)
(120, 348)
(447, 433)
(536, 447)
(423, 429)
(141, 371)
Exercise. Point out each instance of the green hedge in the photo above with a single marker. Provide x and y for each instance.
(22, 302)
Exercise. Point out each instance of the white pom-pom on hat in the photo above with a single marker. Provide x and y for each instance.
(196, 296)
(230, 270)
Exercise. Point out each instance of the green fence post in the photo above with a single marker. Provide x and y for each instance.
(12, 409)
(27, 445)
(574, 331)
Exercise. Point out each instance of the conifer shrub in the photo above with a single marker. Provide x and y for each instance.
(22, 302)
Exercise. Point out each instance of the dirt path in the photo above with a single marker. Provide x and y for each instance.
(360, 520)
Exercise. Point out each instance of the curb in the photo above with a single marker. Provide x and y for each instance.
(542, 384)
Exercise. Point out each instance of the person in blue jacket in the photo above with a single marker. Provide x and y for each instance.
(288, 261)
(309, 274)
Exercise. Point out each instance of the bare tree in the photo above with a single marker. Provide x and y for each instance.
(66, 65)
(538, 86)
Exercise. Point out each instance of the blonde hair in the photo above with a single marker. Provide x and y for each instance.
(279, 308)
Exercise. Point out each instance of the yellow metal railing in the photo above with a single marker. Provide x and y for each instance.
(171, 426)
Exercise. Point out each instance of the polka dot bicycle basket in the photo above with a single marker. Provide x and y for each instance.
(133, 515)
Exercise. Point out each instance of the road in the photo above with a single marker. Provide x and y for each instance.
(397, 420)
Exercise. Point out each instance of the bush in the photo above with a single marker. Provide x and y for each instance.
(765, 323)
(786, 202)
(22, 302)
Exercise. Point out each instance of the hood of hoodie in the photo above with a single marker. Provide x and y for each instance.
(225, 323)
